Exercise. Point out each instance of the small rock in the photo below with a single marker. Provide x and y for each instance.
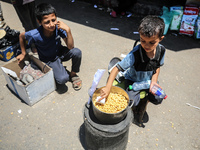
(1, 98)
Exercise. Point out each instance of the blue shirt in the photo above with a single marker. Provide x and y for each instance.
(138, 67)
(47, 47)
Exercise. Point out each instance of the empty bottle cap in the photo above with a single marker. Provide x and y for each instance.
(130, 87)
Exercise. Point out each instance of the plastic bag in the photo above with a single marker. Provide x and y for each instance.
(197, 29)
(177, 16)
(167, 17)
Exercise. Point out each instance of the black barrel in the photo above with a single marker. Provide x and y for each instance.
(100, 136)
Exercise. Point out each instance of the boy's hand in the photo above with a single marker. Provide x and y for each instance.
(69, 41)
(63, 26)
(20, 58)
(151, 85)
(104, 93)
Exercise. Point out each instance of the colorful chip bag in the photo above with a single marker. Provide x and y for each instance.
(190, 15)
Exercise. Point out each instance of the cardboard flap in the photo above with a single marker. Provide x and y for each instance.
(14, 67)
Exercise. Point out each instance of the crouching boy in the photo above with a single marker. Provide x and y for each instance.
(48, 44)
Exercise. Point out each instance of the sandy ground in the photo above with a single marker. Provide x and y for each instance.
(56, 122)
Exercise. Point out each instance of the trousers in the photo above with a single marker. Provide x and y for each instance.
(26, 15)
(61, 75)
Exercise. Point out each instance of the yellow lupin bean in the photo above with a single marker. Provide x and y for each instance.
(114, 103)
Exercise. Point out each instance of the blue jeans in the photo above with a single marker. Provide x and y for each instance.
(60, 73)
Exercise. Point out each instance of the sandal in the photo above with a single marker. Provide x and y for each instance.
(76, 80)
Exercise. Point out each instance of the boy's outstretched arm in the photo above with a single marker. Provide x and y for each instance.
(106, 90)
(69, 40)
(154, 80)
(23, 47)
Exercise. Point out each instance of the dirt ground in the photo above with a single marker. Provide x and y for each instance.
(56, 122)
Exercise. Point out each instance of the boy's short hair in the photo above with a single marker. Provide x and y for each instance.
(152, 25)
(44, 9)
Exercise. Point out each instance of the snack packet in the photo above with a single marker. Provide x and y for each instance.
(177, 16)
(188, 20)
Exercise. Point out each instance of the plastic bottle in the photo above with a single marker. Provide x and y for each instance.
(159, 92)
(136, 86)
(142, 93)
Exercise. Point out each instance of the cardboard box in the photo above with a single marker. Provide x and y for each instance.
(36, 90)
(8, 53)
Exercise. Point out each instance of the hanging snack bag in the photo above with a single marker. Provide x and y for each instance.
(177, 16)
(190, 15)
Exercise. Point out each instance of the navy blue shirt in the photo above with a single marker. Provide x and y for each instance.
(48, 47)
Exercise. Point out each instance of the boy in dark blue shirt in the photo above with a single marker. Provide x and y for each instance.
(48, 44)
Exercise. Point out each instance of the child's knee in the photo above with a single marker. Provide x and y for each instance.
(62, 79)
(77, 52)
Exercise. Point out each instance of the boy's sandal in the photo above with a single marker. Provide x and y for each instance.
(76, 80)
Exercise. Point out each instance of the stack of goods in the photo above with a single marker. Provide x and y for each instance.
(189, 18)
(11, 37)
(8, 43)
(184, 20)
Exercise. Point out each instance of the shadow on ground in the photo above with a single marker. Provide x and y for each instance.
(84, 13)
(82, 136)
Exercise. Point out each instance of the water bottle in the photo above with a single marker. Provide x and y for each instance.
(137, 86)
(143, 94)
(159, 92)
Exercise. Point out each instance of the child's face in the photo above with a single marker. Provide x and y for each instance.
(49, 22)
(150, 43)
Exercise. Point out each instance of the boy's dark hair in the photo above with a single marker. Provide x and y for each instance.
(44, 9)
(152, 25)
